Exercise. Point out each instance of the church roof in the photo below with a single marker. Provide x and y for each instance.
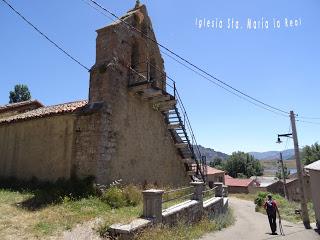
(46, 111)
(13, 106)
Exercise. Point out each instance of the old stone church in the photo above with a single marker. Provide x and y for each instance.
(121, 132)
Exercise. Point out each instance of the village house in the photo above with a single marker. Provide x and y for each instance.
(122, 131)
(240, 185)
(215, 175)
(314, 171)
(269, 184)
(293, 190)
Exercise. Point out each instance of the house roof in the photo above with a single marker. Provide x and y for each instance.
(313, 166)
(237, 182)
(265, 181)
(12, 106)
(45, 111)
(211, 170)
(290, 180)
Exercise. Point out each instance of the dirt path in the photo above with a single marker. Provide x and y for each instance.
(85, 231)
(251, 225)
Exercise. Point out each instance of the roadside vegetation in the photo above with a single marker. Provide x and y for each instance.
(38, 210)
(33, 210)
(286, 208)
(188, 231)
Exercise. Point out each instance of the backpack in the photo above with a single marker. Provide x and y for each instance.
(270, 207)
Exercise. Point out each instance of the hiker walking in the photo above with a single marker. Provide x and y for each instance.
(272, 210)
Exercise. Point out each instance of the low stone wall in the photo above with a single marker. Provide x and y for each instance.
(188, 211)
(214, 206)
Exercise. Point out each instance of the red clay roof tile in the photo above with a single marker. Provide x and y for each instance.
(46, 111)
(237, 182)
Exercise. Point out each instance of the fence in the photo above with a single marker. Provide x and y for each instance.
(190, 210)
(153, 201)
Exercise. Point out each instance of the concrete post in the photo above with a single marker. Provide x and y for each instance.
(197, 192)
(219, 189)
(152, 204)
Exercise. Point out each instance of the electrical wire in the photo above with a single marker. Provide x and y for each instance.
(189, 62)
(275, 111)
(303, 121)
(312, 118)
(45, 36)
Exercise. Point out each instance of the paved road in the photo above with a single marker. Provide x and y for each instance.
(251, 225)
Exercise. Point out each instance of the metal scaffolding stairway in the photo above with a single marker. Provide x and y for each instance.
(176, 118)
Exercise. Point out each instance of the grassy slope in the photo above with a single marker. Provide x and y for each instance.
(286, 208)
(18, 222)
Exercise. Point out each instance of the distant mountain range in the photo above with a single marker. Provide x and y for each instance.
(270, 155)
(212, 154)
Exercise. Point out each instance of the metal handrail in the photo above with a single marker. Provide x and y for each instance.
(176, 198)
(176, 190)
(186, 121)
(209, 190)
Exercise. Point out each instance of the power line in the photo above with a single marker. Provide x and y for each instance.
(184, 64)
(226, 89)
(312, 118)
(188, 62)
(97, 9)
(303, 121)
(45, 36)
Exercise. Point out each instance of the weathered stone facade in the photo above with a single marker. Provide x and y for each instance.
(39, 148)
(115, 135)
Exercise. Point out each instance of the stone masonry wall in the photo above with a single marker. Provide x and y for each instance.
(93, 143)
(39, 148)
(140, 147)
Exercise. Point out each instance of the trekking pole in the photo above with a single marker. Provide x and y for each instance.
(280, 226)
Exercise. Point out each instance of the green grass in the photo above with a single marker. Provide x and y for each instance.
(38, 210)
(188, 231)
(52, 219)
(286, 208)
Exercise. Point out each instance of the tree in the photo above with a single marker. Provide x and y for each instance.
(311, 153)
(216, 162)
(279, 172)
(19, 94)
(243, 164)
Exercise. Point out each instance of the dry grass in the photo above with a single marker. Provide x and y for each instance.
(188, 231)
(17, 222)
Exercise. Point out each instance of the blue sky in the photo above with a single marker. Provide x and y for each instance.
(279, 66)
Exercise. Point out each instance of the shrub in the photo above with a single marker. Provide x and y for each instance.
(133, 195)
(115, 197)
(260, 199)
(118, 197)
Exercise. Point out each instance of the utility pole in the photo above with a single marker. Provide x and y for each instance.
(284, 177)
(303, 202)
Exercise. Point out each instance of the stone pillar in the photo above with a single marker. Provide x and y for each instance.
(198, 189)
(152, 204)
(225, 191)
(219, 189)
